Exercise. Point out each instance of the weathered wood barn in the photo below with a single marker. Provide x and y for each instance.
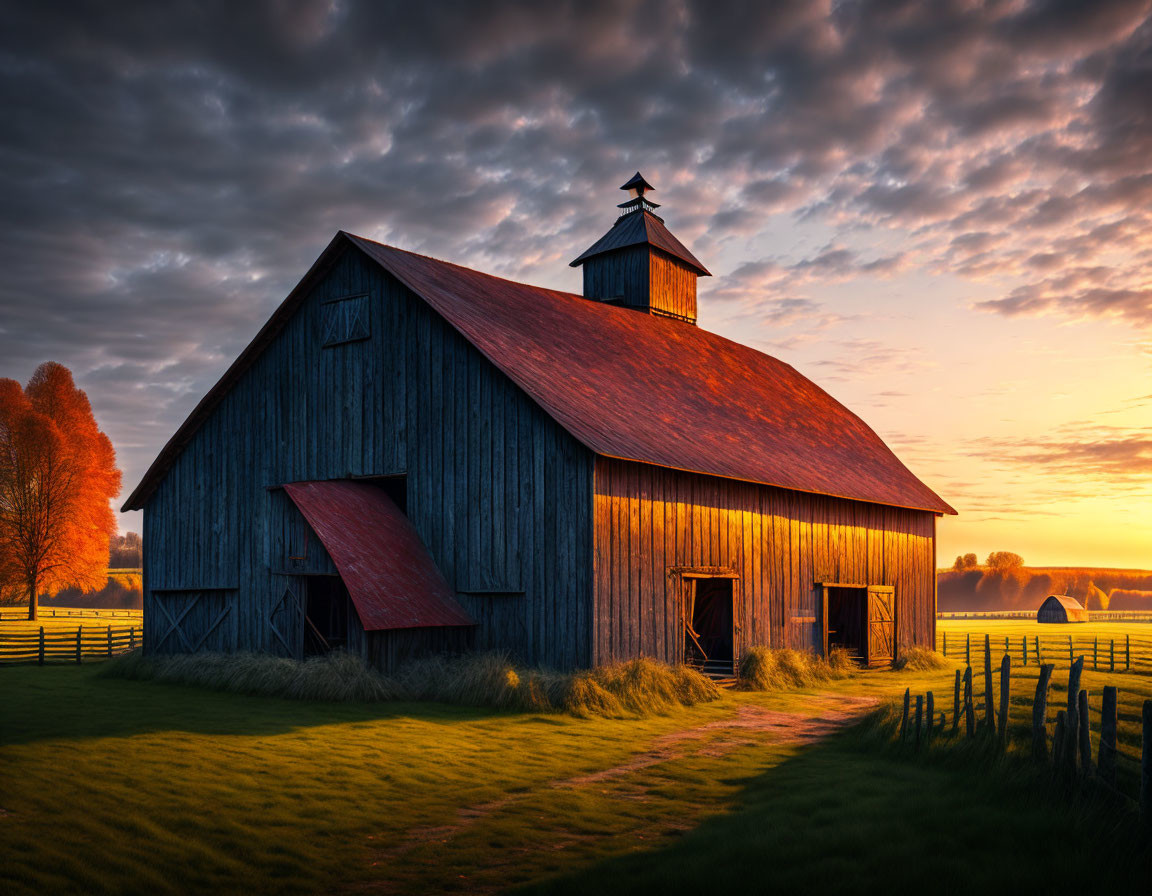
(412, 456)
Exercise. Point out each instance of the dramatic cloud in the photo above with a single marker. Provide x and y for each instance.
(168, 170)
(1119, 458)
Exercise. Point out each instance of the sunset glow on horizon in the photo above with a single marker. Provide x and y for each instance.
(942, 215)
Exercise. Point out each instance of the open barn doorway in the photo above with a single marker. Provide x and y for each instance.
(325, 614)
(709, 626)
(861, 620)
(848, 621)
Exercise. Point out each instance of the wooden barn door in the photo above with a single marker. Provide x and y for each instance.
(880, 644)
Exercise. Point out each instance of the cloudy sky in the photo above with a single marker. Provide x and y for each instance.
(941, 212)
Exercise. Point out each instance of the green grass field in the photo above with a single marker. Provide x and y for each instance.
(109, 785)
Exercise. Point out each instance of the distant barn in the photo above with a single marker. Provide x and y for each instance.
(415, 457)
(1061, 608)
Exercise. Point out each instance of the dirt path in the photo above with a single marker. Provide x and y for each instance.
(749, 726)
(746, 728)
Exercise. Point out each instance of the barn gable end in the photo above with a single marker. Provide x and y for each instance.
(498, 492)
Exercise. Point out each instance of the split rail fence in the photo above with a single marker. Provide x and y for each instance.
(20, 614)
(57, 644)
(1124, 654)
(978, 713)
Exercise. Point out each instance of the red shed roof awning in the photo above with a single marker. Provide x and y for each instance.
(388, 572)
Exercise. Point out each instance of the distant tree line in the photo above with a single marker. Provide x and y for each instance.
(126, 551)
(1002, 561)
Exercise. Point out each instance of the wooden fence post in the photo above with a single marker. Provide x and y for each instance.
(1106, 759)
(1024, 651)
(945, 643)
(968, 648)
(919, 717)
(1096, 652)
(1127, 653)
(904, 717)
(1059, 736)
(1040, 715)
(109, 640)
(79, 628)
(1112, 657)
(1005, 690)
(1146, 765)
(969, 713)
(132, 638)
(1039, 658)
(931, 713)
(956, 706)
(1085, 736)
(41, 658)
(1074, 673)
(1072, 719)
(1069, 650)
(989, 719)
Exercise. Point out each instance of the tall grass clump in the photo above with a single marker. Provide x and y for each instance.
(919, 659)
(336, 677)
(765, 669)
(636, 688)
(482, 679)
(646, 687)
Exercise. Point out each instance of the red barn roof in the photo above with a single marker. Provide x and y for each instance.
(631, 385)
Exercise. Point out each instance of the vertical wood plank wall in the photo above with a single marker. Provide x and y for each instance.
(640, 277)
(672, 286)
(499, 492)
(779, 542)
(620, 276)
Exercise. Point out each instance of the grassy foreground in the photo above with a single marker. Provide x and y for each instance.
(109, 785)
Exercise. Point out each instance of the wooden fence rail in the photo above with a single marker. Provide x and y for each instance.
(63, 645)
(1130, 653)
(20, 614)
(1093, 615)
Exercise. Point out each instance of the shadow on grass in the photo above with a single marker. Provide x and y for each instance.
(62, 702)
(851, 815)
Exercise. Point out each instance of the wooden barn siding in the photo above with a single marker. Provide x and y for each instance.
(390, 650)
(673, 286)
(192, 620)
(640, 278)
(499, 493)
(779, 542)
(621, 276)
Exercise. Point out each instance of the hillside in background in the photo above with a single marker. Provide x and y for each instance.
(1025, 588)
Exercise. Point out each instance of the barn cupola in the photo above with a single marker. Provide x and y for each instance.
(639, 264)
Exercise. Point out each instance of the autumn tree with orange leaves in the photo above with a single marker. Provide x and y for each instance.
(57, 475)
